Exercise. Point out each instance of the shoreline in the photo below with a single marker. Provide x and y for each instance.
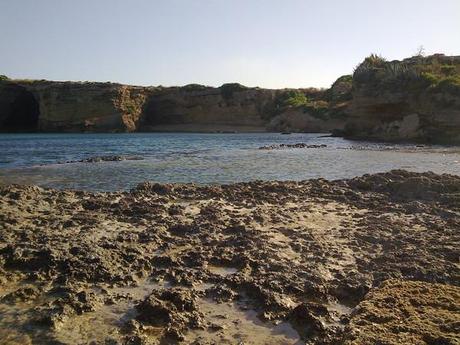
(313, 261)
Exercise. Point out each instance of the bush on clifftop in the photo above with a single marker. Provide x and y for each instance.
(417, 74)
(366, 70)
(317, 109)
(292, 98)
(3, 77)
(195, 87)
(228, 89)
(449, 85)
(374, 60)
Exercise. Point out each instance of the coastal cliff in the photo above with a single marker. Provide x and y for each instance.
(416, 99)
(231, 107)
(49, 106)
(69, 106)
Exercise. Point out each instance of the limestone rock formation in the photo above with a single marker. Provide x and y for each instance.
(417, 99)
(232, 107)
(19, 110)
(69, 106)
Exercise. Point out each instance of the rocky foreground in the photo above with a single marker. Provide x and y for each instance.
(371, 260)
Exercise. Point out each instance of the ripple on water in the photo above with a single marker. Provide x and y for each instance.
(223, 158)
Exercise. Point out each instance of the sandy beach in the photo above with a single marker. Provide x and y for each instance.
(373, 259)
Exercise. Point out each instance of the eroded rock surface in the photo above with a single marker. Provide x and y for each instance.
(416, 99)
(407, 312)
(247, 262)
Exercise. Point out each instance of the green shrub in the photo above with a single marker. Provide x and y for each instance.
(449, 84)
(375, 60)
(228, 89)
(3, 77)
(318, 109)
(284, 100)
(195, 87)
(448, 70)
(429, 78)
(345, 79)
(367, 70)
(293, 98)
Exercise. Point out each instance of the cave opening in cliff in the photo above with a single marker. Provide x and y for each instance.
(24, 113)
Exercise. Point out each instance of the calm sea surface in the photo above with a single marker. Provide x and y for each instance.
(203, 158)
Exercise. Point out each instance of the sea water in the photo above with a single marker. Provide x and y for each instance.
(203, 158)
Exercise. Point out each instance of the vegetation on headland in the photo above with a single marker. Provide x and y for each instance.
(228, 89)
(195, 87)
(435, 73)
(3, 77)
(317, 103)
(291, 99)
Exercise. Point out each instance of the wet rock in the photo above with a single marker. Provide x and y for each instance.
(54, 314)
(175, 308)
(97, 159)
(183, 229)
(174, 210)
(150, 187)
(221, 294)
(271, 244)
(307, 319)
(404, 185)
(23, 294)
(292, 146)
(432, 309)
(25, 258)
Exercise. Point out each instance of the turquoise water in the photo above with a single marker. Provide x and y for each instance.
(203, 158)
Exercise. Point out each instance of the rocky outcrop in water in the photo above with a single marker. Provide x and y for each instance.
(98, 159)
(292, 146)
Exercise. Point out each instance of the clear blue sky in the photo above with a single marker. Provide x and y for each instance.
(267, 43)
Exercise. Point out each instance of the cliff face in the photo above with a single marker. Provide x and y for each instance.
(195, 107)
(105, 107)
(79, 107)
(19, 110)
(417, 99)
(70, 107)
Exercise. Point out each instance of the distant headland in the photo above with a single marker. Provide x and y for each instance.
(416, 99)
